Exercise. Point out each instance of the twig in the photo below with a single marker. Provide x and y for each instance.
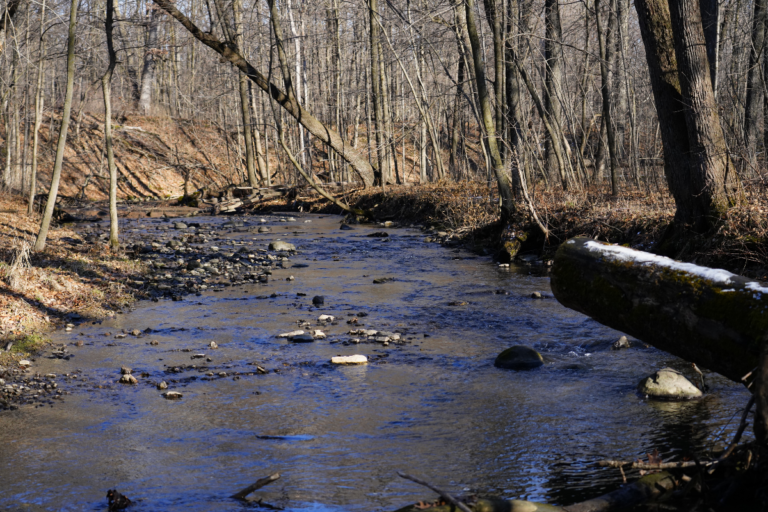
(645, 465)
(447, 497)
(261, 482)
(740, 431)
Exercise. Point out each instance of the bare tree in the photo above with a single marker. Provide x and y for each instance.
(62, 143)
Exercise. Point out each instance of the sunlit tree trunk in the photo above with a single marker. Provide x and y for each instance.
(106, 86)
(62, 143)
(148, 71)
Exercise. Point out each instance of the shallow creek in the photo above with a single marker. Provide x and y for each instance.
(433, 406)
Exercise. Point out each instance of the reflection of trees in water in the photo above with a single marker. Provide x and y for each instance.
(676, 429)
(680, 428)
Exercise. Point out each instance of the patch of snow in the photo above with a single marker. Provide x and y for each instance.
(714, 275)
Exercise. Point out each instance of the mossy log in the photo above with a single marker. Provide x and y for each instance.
(648, 488)
(710, 317)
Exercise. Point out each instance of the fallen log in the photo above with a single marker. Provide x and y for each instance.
(710, 317)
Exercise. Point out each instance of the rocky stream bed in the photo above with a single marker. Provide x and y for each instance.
(226, 376)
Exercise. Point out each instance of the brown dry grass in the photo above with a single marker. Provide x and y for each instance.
(39, 291)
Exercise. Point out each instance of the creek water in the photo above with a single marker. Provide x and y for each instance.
(434, 406)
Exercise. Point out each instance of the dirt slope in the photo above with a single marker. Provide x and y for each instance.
(153, 156)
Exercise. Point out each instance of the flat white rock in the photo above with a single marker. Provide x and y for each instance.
(356, 359)
(290, 334)
(326, 318)
(172, 395)
(318, 334)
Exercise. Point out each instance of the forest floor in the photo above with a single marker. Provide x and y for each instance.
(73, 280)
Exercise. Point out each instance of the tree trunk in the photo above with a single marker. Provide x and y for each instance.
(245, 112)
(106, 86)
(552, 81)
(699, 191)
(713, 177)
(148, 72)
(376, 94)
(62, 143)
(606, 42)
(753, 106)
(505, 191)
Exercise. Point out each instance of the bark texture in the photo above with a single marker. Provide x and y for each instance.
(695, 162)
(717, 325)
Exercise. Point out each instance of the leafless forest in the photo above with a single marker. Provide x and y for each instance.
(522, 93)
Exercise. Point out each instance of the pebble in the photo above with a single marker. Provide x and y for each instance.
(162, 385)
(537, 295)
(213, 345)
(318, 300)
(318, 335)
(172, 395)
(326, 318)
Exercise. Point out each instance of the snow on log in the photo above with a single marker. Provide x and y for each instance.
(710, 317)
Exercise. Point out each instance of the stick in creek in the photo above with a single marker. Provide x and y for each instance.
(447, 497)
(261, 482)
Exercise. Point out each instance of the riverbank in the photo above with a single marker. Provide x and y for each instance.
(78, 278)
(467, 214)
(70, 281)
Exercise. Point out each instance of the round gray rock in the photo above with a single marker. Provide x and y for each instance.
(668, 384)
(519, 357)
(281, 246)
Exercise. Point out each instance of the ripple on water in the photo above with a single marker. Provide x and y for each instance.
(435, 406)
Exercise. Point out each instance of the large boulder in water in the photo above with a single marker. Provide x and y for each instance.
(519, 358)
(668, 384)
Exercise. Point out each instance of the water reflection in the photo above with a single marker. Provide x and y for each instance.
(435, 407)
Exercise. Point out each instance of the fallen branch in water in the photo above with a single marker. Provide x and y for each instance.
(261, 482)
(647, 466)
(739, 431)
(447, 497)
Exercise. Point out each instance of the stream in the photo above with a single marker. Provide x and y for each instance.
(432, 405)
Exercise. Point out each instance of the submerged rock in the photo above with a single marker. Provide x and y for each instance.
(668, 384)
(302, 338)
(519, 357)
(622, 342)
(281, 246)
(128, 379)
(318, 300)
